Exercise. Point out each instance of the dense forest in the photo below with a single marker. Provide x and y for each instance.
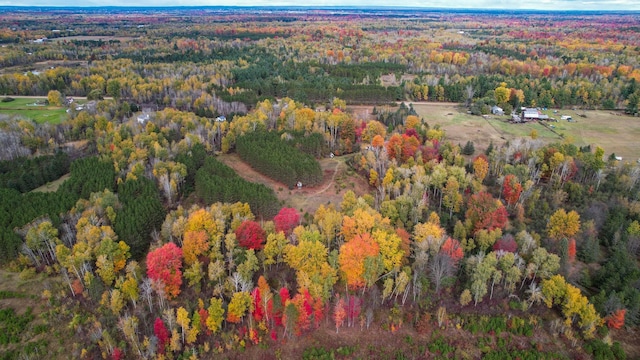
(154, 248)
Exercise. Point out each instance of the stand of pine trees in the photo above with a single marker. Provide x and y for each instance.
(216, 182)
(273, 157)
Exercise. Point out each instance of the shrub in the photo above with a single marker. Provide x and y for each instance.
(465, 297)
(600, 350)
(317, 353)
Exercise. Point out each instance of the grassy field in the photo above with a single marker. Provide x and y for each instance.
(53, 185)
(615, 132)
(25, 108)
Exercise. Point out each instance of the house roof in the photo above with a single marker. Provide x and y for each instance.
(531, 113)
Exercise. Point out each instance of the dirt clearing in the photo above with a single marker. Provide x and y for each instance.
(337, 179)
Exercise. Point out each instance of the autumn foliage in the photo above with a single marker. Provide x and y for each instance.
(452, 248)
(402, 147)
(162, 334)
(616, 319)
(511, 189)
(480, 167)
(352, 258)
(571, 250)
(163, 265)
(195, 243)
(486, 212)
(563, 224)
(506, 243)
(339, 313)
(250, 235)
(286, 220)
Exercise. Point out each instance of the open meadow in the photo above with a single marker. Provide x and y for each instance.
(614, 132)
(34, 109)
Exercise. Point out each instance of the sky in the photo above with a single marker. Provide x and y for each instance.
(460, 4)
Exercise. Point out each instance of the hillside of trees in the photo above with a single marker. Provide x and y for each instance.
(154, 249)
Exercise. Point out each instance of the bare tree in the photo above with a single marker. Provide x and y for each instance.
(146, 290)
(441, 267)
(469, 91)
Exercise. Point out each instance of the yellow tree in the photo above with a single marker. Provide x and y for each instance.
(452, 198)
(240, 303)
(216, 315)
(372, 129)
(304, 119)
(364, 220)
(273, 250)
(195, 243)
(412, 122)
(480, 168)
(55, 98)
(329, 220)
(556, 291)
(309, 259)
(563, 225)
(391, 251)
(129, 289)
(430, 233)
(183, 319)
(502, 93)
(111, 258)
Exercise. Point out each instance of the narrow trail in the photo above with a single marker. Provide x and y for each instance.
(333, 177)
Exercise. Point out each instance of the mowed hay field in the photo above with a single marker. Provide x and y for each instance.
(616, 133)
(26, 108)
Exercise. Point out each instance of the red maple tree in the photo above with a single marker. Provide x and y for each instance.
(616, 320)
(250, 235)
(572, 250)
(286, 220)
(161, 333)
(451, 247)
(257, 313)
(117, 354)
(486, 212)
(506, 243)
(163, 265)
(511, 189)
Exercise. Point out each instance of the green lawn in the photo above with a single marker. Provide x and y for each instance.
(26, 108)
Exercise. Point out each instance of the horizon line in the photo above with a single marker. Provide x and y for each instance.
(384, 7)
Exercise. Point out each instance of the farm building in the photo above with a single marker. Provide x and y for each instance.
(530, 114)
(143, 118)
(496, 110)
